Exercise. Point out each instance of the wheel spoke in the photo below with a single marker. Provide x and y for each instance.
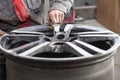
(97, 37)
(27, 32)
(25, 47)
(68, 29)
(91, 47)
(23, 37)
(74, 49)
(35, 50)
(94, 32)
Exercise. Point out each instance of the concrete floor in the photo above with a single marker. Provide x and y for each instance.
(117, 54)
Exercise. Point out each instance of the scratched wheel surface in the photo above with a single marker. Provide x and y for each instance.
(61, 42)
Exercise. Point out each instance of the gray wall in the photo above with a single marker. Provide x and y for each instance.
(82, 2)
(88, 12)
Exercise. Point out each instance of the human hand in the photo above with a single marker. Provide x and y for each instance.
(55, 16)
(2, 32)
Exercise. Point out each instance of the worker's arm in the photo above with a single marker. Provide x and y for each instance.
(58, 9)
(62, 5)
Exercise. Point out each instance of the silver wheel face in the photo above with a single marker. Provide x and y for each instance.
(63, 42)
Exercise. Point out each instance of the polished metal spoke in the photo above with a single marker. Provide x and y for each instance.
(23, 37)
(91, 47)
(25, 46)
(27, 32)
(35, 50)
(98, 35)
(94, 32)
(76, 50)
